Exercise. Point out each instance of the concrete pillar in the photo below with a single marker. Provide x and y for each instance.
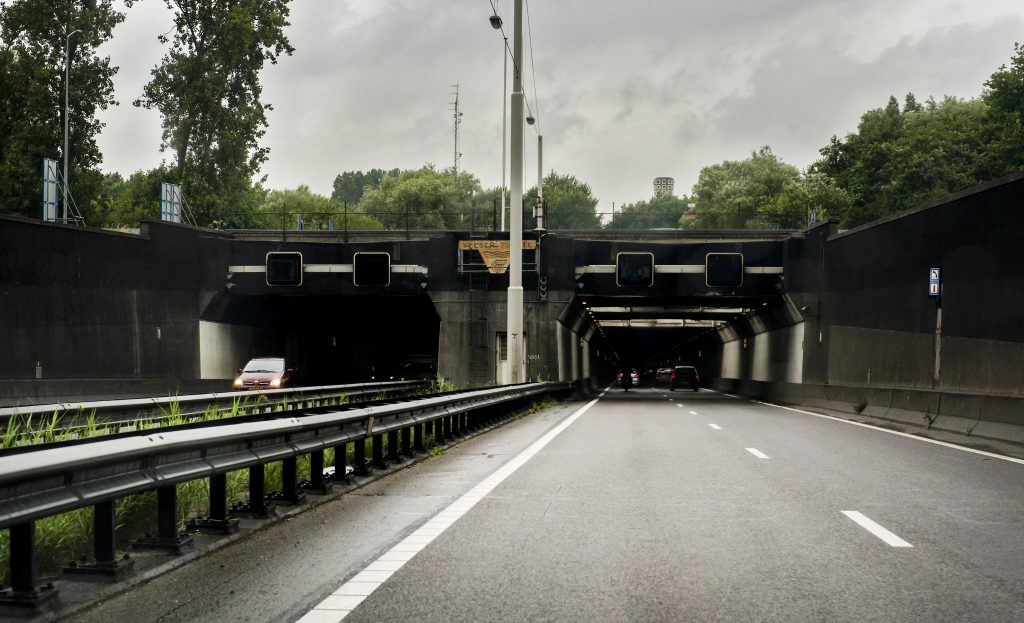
(586, 359)
(560, 341)
(575, 351)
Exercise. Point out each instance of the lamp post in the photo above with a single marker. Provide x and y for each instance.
(496, 23)
(516, 343)
(67, 77)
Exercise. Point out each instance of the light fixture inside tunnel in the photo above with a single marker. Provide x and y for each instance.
(661, 323)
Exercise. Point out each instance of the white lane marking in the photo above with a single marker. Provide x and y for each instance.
(875, 529)
(350, 594)
(945, 444)
(757, 453)
(693, 413)
(715, 426)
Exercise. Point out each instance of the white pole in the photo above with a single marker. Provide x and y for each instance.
(67, 77)
(504, 128)
(516, 343)
(540, 183)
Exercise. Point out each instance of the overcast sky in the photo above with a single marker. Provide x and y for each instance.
(626, 91)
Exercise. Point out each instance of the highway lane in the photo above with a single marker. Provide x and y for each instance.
(642, 511)
(649, 506)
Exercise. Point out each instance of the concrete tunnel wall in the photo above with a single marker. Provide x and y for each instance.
(866, 318)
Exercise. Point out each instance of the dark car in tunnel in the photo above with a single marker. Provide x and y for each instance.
(685, 377)
(265, 373)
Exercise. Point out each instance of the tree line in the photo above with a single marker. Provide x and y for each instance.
(207, 91)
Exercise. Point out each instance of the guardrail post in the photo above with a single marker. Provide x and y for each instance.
(407, 442)
(378, 451)
(317, 482)
(393, 446)
(218, 521)
(257, 502)
(439, 430)
(420, 444)
(340, 459)
(24, 596)
(290, 493)
(359, 458)
(167, 537)
(104, 551)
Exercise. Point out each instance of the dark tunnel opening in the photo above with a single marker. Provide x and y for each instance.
(333, 339)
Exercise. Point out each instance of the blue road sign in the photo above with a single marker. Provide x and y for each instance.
(934, 281)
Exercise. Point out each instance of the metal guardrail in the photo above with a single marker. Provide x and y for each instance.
(96, 472)
(254, 401)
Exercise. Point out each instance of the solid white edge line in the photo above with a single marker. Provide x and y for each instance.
(757, 453)
(875, 529)
(883, 430)
(336, 606)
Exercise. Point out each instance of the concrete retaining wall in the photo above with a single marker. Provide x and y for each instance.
(991, 417)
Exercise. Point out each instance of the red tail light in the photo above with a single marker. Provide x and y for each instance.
(673, 377)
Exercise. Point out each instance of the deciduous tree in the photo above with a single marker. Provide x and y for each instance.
(32, 58)
(207, 89)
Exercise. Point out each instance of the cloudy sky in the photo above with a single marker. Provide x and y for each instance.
(626, 91)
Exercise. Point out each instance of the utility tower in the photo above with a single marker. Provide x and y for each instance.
(457, 116)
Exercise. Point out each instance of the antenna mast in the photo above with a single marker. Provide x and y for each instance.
(457, 116)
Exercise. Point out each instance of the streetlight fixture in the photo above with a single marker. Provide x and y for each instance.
(67, 78)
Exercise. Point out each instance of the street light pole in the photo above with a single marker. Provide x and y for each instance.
(540, 183)
(504, 128)
(67, 78)
(516, 343)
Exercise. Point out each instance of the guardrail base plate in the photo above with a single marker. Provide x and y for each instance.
(19, 603)
(99, 571)
(214, 526)
(173, 546)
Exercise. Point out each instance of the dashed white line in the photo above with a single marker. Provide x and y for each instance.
(715, 426)
(693, 412)
(757, 453)
(875, 529)
(349, 595)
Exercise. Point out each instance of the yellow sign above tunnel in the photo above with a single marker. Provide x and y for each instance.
(495, 253)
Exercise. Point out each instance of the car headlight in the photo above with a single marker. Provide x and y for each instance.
(238, 382)
(275, 382)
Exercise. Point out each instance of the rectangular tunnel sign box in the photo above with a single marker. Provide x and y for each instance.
(371, 269)
(284, 268)
(634, 270)
(723, 270)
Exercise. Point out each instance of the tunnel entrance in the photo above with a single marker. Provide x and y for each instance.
(334, 339)
(650, 332)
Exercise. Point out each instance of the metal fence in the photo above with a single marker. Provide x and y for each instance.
(55, 479)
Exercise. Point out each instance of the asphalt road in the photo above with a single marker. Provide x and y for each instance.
(649, 506)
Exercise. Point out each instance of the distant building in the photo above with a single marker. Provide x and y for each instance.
(664, 185)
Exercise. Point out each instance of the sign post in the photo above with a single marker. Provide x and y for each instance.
(935, 292)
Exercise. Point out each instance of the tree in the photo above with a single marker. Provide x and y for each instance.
(32, 59)
(422, 199)
(897, 160)
(348, 186)
(124, 203)
(658, 212)
(738, 194)
(280, 208)
(568, 204)
(207, 89)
